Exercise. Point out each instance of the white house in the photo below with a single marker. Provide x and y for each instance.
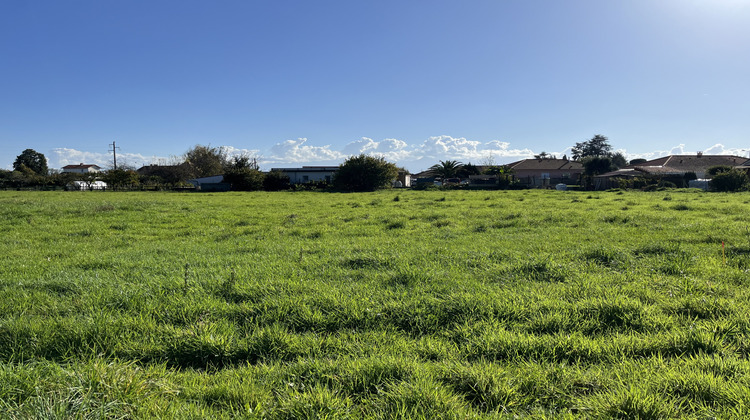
(210, 183)
(86, 186)
(81, 169)
(307, 174)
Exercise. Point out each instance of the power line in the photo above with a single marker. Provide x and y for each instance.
(114, 153)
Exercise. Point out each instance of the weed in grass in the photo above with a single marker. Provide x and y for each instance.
(540, 270)
(606, 257)
(399, 224)
(441, 223)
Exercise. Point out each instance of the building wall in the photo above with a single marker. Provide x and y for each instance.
(302, 177)
(545, 178)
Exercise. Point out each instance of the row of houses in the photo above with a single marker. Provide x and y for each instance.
(548, 172)
(674, 166)
(533, 173)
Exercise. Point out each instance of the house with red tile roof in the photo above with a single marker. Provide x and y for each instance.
(672, 167)
(546, 172)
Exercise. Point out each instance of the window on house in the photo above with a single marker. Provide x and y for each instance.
(305, 178)
(545, 175)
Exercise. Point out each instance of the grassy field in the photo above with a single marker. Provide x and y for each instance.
(431, 304)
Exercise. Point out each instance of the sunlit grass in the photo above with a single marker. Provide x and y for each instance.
(452, 304)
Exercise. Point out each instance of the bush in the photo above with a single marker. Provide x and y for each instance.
(244, 179)
(715, 170)
(667, 184)
(276, 181)
(365, 173)
(732, 180)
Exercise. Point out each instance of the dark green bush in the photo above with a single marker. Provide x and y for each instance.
(732, 180)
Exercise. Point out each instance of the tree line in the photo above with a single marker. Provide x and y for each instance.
(357, 173)
(242, 172)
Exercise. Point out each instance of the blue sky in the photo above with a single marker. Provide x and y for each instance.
(302, 82)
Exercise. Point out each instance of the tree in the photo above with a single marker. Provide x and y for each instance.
(731, 180)
(467, 170)
(446, 169)
(119, 178)
(619, 160)
(595, 165)
(504, 175)
(244, 179)
(718, 169)
(165, 174)
(543, 155)
(365, 173)
(33, 160)
(206, 161)
(243, 173)
(598, 146)
(276, 181)
(637, 161)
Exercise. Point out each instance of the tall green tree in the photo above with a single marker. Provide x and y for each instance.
(467, 170)
(598, 146)
(206, 161)
(276, 181)
(446, 169)
(731, 180)
(243, 173)
(619, 160)
(365, 173)
(121, 178)
(33, 160)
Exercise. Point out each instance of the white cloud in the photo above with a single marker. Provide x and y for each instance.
(720, 149)
(680, 149)
(390, 149)
(296, 151)
(63, 156)
(415, 157)
(233, 151)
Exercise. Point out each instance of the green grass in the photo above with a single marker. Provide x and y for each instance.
(395, 304)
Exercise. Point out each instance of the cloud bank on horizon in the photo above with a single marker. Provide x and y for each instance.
(414, 157)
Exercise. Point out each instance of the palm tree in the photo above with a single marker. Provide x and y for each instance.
(446, 169)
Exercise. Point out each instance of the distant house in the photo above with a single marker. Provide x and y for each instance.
(681, 164)
(210, 184)
(81, 169)
(546, 172)
(673, 168)
(86, 186)
(307, 174)
(403, 180)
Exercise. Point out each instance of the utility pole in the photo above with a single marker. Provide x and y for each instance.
(114, 153)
